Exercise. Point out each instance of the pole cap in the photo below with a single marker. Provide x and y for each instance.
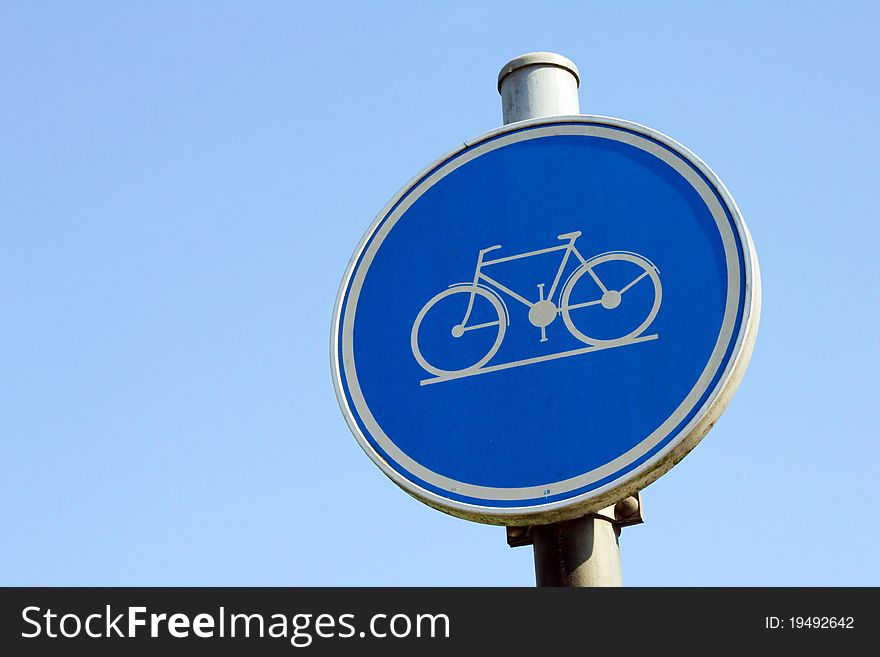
(539, 59)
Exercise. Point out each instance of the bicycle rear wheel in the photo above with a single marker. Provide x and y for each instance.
(584, 312)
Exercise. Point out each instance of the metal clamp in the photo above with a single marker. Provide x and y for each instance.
(625, 513)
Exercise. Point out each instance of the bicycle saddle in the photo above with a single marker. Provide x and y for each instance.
(569, 236)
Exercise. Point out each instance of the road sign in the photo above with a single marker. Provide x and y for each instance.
(545, 320)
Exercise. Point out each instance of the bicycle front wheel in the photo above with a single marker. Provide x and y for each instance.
(443, 345)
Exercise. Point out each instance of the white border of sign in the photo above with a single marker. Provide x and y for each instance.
(643, 474)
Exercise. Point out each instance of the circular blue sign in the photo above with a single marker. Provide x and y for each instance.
(545, 320)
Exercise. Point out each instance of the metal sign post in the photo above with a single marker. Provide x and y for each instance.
(583, 551)
(546, 320)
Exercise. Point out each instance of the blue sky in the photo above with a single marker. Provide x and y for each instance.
(182, 184)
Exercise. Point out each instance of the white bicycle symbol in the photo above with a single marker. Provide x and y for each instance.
(544, 311)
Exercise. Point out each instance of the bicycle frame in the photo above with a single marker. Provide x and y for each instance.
(479, 275)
